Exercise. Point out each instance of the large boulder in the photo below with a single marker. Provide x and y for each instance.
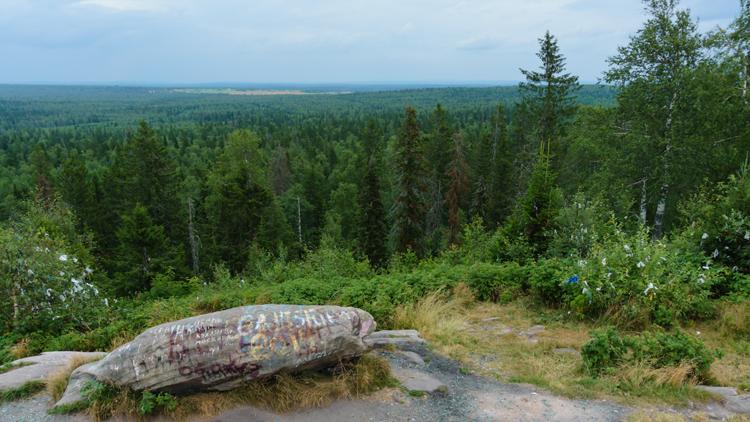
(221, 350)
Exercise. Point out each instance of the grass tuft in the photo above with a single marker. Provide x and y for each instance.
(11, 366)
(436, 317)
(57, 381)
(26, 390)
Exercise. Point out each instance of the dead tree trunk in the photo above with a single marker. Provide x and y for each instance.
(194, 242)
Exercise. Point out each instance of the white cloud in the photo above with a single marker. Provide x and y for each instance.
(124, 5)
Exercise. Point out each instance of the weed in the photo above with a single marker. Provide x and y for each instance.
(26, 390)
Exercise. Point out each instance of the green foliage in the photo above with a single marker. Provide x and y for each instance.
(150, 402)
(46, 286)
(608, 350)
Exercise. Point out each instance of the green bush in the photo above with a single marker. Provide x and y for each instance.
(497, 282)
(150, 402)
(549, 281)
(673, 349)
(607, 349)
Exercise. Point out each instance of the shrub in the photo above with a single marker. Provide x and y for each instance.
(151, 402)
(636, 282)
(497, 282)
(550, 281)
(607, 349)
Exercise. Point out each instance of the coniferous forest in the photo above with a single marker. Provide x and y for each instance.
(623, 204)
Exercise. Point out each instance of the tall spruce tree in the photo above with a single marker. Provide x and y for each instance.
(372, 219)
(408, 206)
(238, 199)
(550, 92)
(143, 251)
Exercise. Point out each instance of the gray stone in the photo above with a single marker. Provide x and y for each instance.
(412, 357)
(738, 403)
(40, 367)
(394, 338)
(537, 329)
(223, 350)
(415, 380)
(567, 351)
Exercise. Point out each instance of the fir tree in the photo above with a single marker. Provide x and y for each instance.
(408, 207)
(143, 252)
(535, 213)
(549, 92)
(372, 224)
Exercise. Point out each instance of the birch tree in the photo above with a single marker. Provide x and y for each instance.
(653, 71)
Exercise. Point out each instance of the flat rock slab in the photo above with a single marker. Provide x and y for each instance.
(415, 380)
(394, 338)
(411, 357)
(38, 368)
(738, 403)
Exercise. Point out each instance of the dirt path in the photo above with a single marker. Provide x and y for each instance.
(469, 397)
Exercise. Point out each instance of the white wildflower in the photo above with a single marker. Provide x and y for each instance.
(604, 261)
(715, 253)
(697, 333)
(649, 288)
(705, 236)
(63, 257)
(706, 267)
(30, 271)
(106, 302)
(640, 264)
(88, 270)
(75, 260)
(62, 273)
(701, 280)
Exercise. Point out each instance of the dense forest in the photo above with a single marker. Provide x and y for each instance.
(626, 201)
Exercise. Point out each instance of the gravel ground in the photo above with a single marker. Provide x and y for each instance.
(469, 398)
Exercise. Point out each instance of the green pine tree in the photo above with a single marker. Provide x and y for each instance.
(408, 208)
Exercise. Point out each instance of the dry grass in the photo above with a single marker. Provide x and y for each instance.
(734, 319)
(282, 393)
(642, 373)
(655, 416)
(21, 349)
(285, 393)
(437, 317)
(57, 381)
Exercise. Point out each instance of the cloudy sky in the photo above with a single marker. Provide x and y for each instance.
(311, 41)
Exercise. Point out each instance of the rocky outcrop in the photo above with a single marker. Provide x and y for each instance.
(38, 368)
(221, 350)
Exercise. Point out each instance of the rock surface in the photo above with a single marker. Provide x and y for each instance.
(222, 350)
(732, 401)
(415, 380)
(38, 368)
(395, 338)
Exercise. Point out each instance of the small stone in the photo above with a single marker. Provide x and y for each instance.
(415, 380)
(395, 338)
(412, 357)
(567, 351)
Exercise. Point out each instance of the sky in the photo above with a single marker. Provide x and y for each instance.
(312, 41)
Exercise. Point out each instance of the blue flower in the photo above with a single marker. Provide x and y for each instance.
(572, 280)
